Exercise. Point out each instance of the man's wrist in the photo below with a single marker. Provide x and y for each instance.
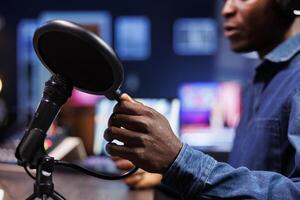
(177, 159)
(176, 152)
(189, 172)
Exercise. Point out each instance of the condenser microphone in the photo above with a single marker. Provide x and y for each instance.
(57, 91)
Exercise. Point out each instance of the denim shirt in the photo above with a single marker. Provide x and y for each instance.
(265, 159)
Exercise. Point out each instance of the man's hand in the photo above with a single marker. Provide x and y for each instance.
(149, 142)
(139, 180)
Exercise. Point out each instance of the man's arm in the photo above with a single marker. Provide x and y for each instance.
(202, 176)
(196, 175)
(151, 145)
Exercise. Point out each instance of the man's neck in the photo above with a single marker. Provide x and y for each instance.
(293, 30)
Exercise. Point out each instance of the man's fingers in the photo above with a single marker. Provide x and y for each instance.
(116, 158)
(123, 164)
(129, 138)
(143, 180)
(130, 122)
(121, 151)
(133, 180)
(148, 180)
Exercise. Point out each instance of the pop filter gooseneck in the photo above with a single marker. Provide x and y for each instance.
(76, 58)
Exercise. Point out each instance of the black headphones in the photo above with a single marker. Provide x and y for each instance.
(288, 6)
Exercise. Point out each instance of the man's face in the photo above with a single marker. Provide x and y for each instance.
(253, 25)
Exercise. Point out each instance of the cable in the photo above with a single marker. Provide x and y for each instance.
(91, 173)
(28, 172)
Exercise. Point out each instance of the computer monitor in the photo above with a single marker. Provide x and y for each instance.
(209, 114)
(133, 37)
(104, 108)
(195, 36)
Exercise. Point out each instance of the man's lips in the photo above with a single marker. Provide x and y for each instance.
(230, 31)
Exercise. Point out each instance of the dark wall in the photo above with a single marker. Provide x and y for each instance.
(159, 76)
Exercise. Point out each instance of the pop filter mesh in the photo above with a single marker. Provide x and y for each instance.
(80, 62)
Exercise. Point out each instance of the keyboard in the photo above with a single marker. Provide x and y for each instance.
(7, 149)
(9, 145)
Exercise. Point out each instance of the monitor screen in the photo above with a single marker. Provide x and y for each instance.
(132, 37)
(104, 108)
(195, 36)
(209, 113)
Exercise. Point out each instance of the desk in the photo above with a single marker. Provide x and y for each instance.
(75, 186)
(18, 186)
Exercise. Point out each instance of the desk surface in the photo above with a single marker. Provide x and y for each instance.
(18, 186)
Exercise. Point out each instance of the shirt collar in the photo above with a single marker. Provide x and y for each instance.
(285, 51)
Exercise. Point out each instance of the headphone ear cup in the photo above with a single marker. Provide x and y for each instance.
(285, 5)
(288, 6)
(295, 4)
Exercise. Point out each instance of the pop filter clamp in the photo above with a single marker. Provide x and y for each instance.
(76, 58)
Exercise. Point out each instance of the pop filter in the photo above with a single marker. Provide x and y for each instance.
(80, 56)
(76, 58)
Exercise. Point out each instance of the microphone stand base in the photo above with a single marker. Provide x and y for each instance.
(54, 196)
(43, 186)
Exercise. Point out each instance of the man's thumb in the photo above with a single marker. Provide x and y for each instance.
(126, 97)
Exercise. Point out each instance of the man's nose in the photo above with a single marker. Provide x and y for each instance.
(229, 8)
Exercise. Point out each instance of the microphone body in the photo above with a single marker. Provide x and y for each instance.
(31, 148)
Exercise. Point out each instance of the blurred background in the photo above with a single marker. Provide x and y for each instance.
(175, 58)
